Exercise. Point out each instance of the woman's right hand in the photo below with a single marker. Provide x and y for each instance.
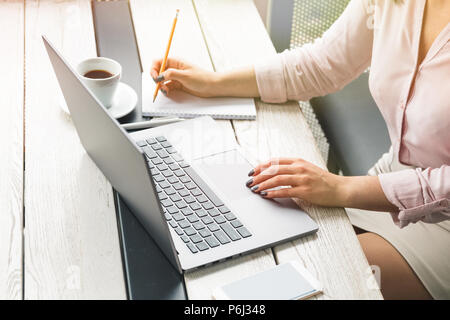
(180, 75)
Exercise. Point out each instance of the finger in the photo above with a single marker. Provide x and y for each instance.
(281, 193)
(270, 172)
(277, 181)
(171, 63)
(172, 74)
(154, 69)
(277, 161)
(171, 86)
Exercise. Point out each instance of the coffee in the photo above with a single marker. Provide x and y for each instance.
(98, 74)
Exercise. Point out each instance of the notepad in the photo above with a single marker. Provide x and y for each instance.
(184, 105)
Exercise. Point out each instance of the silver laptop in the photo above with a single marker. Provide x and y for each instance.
(185, 182)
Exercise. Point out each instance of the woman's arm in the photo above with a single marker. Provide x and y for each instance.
(301, 179)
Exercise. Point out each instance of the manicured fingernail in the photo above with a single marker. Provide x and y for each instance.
(254, 188)
(249, 182)
(159, 78)
(164, 91)
(263, 193)
(252, 172)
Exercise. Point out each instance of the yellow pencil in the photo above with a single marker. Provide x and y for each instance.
(163, 65)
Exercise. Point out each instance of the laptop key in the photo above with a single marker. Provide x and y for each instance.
(161, 139)
(162, 167)
(173, 166)
(202, 246)
(191, 247)
(202, 198)
(201, 213)
(221, 236)
(169, 191)
(186, 211)
(181, 204)
(244, 232)
(168, 160)
(204, 233)
(193, 218)
(175, 197)
(185, 179)
(141, 143)
(230, 216)
(158, 189)
(220, 219)
(213, 227)
(173, 224)
(208, 205)
(179, 173)
(196, 238)
(183, 164)
(195, 206)
(214, 212)
(172, 210)
(166, 144)
(207, 220)
(183, 193)
(236, 223)
(189, 199)
(172, 180)
(191, 185)
(166, 203)
(162, 153)
(167, 216)
(149, 152)
(171, 150)
(157, 161)
(184, 224)
(158, 178)
(229, 230)
(190, 231)
(162, 196)
(179, 231)
(156, 147)
(196, 192)
(151, 141)
(198, 225)
(178, 186)
(223, 209)
(167, 173)
(178, 216)
(185, 238)
(164, 184)
(212, 242)
(177, 157)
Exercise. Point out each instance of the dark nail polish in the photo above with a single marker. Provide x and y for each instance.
(164, 91)
(263, 193)
(159, 78)
(249, 182)
(252, 172)
(254, 188)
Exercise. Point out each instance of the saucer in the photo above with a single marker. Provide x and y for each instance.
(125, 100)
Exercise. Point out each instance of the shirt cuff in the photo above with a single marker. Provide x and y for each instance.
(403, 189)
(270, 80)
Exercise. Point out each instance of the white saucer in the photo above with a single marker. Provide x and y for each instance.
(125, 100)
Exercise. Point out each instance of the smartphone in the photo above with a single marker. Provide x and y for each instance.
(287, 281)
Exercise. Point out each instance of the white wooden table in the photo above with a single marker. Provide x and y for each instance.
(58, 230)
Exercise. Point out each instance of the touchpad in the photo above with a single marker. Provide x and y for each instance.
(226, 173)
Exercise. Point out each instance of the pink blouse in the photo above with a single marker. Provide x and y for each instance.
(384, 36)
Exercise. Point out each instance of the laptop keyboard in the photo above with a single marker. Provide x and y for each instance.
(190, 207)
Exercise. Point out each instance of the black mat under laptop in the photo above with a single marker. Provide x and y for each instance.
(148, 274)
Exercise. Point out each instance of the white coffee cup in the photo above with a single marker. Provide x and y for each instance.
(103, 88)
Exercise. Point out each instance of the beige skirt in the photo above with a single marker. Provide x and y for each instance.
(426, 247)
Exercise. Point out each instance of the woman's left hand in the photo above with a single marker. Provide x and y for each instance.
(300, 179)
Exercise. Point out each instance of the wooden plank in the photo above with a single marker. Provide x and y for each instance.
(71, 240)
(152, 21)
(11, 146)
(235, 36)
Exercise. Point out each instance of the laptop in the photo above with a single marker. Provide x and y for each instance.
(185, 182)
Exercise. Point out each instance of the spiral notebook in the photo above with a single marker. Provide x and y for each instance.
(184, 105)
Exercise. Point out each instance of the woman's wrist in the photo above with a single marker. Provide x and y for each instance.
(235, 83)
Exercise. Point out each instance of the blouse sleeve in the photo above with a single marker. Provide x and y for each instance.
(322, 67)
(419, 194)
